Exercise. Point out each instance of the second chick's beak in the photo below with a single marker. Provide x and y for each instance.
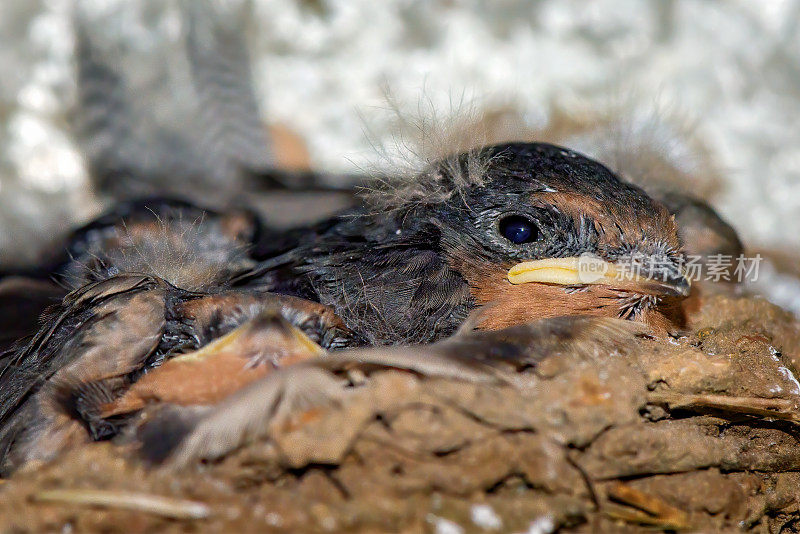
(649, 275)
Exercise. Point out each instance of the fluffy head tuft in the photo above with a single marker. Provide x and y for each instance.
(188, 247)
(436, 155)
(432, 156)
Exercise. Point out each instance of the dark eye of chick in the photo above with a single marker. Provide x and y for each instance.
(518, 229)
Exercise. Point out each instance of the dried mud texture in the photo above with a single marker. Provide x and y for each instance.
(698, 433)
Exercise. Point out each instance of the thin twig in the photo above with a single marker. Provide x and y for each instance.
(783, 409)
(139, 502)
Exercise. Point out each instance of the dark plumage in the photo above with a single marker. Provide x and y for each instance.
(190, 330)
(104, 337)
(156, 280)
(413, 266)
(50, 388)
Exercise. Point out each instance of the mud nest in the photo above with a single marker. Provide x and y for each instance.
(695, 433)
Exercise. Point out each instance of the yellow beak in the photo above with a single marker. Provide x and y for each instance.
(591, 270)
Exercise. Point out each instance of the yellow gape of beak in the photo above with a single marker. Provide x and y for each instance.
(563, 271)
(591, 270)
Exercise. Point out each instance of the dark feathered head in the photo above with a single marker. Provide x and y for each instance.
(546, 231)
(537, 230)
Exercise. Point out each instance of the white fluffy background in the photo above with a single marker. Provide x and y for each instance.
(323, 68)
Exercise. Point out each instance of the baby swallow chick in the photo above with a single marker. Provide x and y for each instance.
(174, 314)
(508, 229)
(499, 237)
(151, 282)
